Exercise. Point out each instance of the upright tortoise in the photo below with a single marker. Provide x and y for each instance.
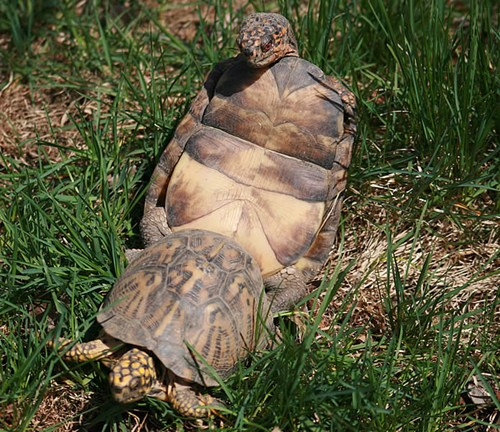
(193, 293)
(261, 157)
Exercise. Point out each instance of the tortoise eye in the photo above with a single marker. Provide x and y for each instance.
(266, 47)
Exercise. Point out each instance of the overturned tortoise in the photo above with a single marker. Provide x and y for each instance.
(261, 157)
(193, 298)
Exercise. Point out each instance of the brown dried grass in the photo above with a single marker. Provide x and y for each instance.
(28, 117)
(459, 255)
(61, 408)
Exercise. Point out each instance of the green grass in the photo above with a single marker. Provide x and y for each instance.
(426, 81)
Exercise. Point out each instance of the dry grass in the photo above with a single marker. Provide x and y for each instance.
(458, 256)
(61, 408)
(30, 117)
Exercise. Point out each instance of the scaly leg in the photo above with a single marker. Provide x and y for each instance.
(154, 225)
(286, 288)
(188, 402)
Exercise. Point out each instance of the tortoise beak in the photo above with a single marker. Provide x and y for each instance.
(247, 51)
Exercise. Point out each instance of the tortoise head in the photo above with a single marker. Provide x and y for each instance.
(133, 376)
(265, 38)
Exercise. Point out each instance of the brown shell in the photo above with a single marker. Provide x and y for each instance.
(193, 288)
(266, 164)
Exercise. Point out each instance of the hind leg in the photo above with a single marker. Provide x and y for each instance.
(187, 401)
(286, 288)
(154, 225)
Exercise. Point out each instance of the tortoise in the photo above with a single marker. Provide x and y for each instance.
(193, 295)
(262, 157)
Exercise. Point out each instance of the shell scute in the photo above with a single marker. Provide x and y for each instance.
(284, 108)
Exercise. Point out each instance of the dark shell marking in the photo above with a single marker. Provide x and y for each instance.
(287, 109)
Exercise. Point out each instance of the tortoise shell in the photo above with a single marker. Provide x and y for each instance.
(261, 157)
(193, 293)
(266, 163)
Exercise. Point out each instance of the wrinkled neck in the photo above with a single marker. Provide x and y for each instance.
(291, 53)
